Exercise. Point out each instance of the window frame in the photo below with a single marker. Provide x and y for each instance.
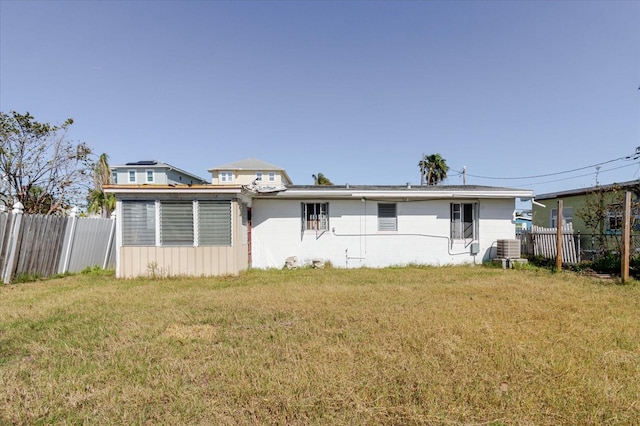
(465, 227)
(171, 232)
(314, 220)
(259, 177)
(272, 176)
(129, 176)
(146, 176)
(226, 176)
(142, 227)
(567, 216)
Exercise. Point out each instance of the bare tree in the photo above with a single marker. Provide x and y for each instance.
(39, 166)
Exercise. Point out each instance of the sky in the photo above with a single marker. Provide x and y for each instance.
(358, 90)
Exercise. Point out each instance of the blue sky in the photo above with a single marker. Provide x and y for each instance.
(355, 90)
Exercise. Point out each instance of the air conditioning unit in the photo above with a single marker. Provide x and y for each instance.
(508, 249)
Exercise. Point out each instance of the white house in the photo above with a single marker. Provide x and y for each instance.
(226, 227)
(377, 226)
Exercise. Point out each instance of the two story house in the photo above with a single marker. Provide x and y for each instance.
(153, 172)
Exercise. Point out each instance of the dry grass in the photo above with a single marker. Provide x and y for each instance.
(449, 345)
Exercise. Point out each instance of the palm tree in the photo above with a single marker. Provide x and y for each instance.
(434, 168)
(321, 180)
(99, 202)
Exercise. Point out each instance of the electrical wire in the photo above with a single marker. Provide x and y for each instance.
(628, 157)
(582, 175)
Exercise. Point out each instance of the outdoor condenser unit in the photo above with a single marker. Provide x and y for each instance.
(508, 249)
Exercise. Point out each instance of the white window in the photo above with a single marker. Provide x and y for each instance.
(226, 177)
(315, 216)
(139, 223)
(259, 176)
(114, 177)
(464, 221)
(132, 176)
(567, 216)
(272, 176)
(149, 176)
(387, 217)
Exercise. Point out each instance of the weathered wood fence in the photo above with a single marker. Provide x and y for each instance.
(40, 245)
(542, 242)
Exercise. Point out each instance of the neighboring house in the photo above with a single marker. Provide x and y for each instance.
(153, 172)
(223, 229)
(250, 171)
(545, 208)
(523, 223)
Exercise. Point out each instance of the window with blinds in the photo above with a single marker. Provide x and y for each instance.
(176, 223)
(139, 223)
(387, 217)
(214, 219)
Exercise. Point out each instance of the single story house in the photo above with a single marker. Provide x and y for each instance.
(581, 202)
(227, 226)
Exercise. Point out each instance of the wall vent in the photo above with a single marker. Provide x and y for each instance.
(508, 249)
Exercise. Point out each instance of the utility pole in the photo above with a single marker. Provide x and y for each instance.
(626, 236)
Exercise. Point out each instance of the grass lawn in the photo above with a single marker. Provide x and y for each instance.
(448, 345)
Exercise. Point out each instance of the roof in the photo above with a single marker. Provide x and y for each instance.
(387, 192)
(154, 163)
(583, 191)
(397, 192)
(252, 164)
(248, 164)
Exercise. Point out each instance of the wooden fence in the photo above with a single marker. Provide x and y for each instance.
(542, 242)
(40, 245)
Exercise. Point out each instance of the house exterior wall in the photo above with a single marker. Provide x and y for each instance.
(145, 261)
(173, 176)
(542, 215)
(161, 176)
(353, 239)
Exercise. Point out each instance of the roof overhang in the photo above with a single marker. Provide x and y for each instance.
(398, 194)
(172, 189)
(326, 192)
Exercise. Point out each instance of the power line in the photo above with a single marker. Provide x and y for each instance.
(556, 173)
(582, 175)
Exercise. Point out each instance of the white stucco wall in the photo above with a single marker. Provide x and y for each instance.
(422, 236)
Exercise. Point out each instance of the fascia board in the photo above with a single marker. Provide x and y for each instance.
(170, 190)
(404, 194)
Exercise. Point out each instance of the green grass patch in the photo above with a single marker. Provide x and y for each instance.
(416, 345)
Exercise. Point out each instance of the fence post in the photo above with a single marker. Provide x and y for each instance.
(559, 220)
(626, 233)
(112, 235)
(579, 247)
(14, 235)
(67, 251)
